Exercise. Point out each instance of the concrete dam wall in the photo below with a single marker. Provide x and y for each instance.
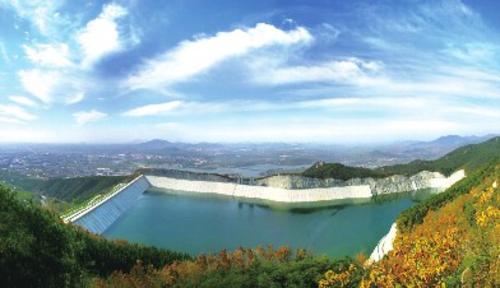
(262, 192)
(99, 217)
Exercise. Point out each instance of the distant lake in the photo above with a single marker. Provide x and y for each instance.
(194, 223)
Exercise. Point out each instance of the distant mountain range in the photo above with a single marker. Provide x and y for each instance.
(471, 157)
(445, 142)
(455, 141)
(430, 149)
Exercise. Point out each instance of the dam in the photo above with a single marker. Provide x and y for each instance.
(98, 217)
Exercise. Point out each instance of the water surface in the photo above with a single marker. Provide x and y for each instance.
(195, 223)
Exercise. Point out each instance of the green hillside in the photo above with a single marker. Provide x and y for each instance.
(38, 250)
(471, 158)
(339, 171)
(78, 189)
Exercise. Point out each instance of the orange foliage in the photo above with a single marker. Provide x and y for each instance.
(447, 247)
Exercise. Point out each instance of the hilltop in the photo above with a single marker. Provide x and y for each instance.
(470, 157)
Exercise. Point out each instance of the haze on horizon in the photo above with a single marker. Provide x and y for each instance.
(258, 71)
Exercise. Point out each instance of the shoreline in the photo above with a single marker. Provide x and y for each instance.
(99, 216)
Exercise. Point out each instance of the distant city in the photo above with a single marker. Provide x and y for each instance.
(45, 161)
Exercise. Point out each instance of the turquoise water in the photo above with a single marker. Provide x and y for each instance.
(194, 224)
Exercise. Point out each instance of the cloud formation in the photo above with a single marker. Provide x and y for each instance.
(153, 109)
(101, 35)
(15, 113)
(48, 55)
(265, 72)
(190, 58)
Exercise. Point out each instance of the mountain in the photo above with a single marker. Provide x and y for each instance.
(454, 141)
(470, 157)
(155, 144)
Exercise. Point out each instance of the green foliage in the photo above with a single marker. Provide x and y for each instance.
(79, 189)
(38, 250)
(18, 181)
(261, 267)
(342, 172)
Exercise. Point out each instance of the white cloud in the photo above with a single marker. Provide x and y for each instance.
(153, 109)
(78, 97)
(54, 86)
(22, 100)
(39, 83)
(17, 112)
(101, 35)
(48, 55)
(353, 71)
(193, 57)
(84, 117)
(41, 13)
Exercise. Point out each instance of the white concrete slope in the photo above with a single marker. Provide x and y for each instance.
(262, 192)
(100, 216)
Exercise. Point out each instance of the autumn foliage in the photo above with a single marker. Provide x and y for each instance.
(456, 245)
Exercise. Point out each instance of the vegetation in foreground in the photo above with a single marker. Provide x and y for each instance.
(457, 244)
(38, 250)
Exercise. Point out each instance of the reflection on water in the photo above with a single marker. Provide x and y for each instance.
(197, 223)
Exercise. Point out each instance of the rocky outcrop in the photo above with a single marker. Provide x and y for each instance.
(388, 185)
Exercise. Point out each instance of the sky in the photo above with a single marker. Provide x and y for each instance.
(312, 71)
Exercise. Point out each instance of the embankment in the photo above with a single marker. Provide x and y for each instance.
(262, 192)
(384, 245)
(99, 217)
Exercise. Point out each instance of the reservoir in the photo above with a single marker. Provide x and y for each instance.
(195, 223)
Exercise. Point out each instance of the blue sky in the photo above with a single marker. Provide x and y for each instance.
(238, 71)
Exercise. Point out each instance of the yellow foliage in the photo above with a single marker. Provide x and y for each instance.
(340, 278)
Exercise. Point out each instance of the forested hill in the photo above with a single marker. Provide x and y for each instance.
(38, 250)
(80, 188)
(470, 157)
(342, 172)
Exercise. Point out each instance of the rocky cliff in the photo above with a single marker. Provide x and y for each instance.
(392, 184)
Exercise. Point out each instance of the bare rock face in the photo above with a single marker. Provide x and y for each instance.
(388, 185)
(298, 182)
